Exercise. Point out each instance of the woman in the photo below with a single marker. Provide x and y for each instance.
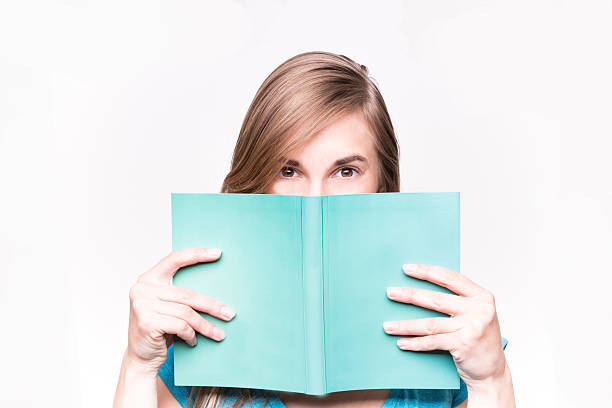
(318, 125)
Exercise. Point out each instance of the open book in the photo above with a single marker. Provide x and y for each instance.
(307, 276)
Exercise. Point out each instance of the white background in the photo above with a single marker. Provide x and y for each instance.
(106, 107)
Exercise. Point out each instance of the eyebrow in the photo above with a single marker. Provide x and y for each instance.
(339, 162)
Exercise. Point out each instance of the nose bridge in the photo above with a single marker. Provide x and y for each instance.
(316, 187)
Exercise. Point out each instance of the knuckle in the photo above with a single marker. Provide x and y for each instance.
(452, 279)
(407, 292)
(184, 296)
(404, 326)
(425, 268)
(457, 353)
(478, 329)
(175, 262)
(472, 326)
(206, 303)
(138, 292)
(431, 327)
(143, 277)
(422, 342)
(213, 307)
(185, 312)
(176, 258)
(489, 311)
(145, 324)
(169, 257)
(202, 252)
(178, 294)
(464, 341)
(489, 297)
(188, 255)
(138, 305)
(133, 293)
(446, 275)
(436, 301)
(185, 329)
(207, 327)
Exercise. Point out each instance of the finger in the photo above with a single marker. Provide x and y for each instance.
(422, 327)
(173, 325)
(427, 343)
(195, 300)
(191, 317)
(165, 269)
(441, 276)
(430, 299)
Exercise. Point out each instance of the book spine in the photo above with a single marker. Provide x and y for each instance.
(312, 279)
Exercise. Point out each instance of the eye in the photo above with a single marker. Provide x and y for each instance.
(287, 172)
(347, 172)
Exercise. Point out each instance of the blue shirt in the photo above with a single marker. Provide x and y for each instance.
(398, 398)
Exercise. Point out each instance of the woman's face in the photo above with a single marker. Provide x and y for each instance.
(338, 160)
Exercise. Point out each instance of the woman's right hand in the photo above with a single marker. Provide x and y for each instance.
(158, 308)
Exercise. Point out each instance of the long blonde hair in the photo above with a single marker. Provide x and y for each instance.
(297, 100)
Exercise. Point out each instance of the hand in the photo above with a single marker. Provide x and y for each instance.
(158, 308)
(471, 334)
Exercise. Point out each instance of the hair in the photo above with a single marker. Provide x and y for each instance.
(297, 100)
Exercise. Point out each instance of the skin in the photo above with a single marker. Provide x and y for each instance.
(471, 334)
(317, 173)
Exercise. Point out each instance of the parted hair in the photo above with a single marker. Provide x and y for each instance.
(297, 100)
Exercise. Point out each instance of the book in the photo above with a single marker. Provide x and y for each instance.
(307, 277)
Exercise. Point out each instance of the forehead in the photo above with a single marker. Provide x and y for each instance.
(348, 135)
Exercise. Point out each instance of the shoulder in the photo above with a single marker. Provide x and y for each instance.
(166, 373)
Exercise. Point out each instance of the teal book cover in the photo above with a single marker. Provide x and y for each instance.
(307, 276)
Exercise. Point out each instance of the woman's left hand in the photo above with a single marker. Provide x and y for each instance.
(471, 332)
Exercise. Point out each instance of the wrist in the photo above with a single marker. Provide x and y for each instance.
(137, 368)
(494, 391)
(137, 385)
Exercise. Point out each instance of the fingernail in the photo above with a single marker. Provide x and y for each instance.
(227, 312)
(214, 251)
(193, 342)
(403, 343)
(410, 268)
(218, 334)
(390, 326)
(393, 292)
